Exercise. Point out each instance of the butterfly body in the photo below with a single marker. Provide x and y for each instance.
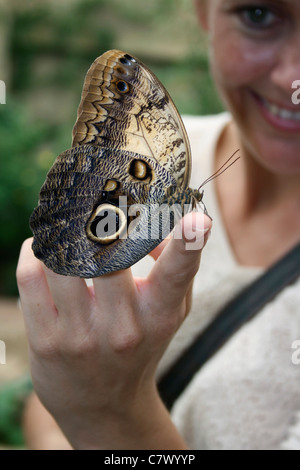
(106, 201)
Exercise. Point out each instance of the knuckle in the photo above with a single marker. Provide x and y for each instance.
(127, 343)
(127, 338)
(44, 347)
(64, 348)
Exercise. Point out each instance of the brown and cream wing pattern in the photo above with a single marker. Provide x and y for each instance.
(108, 200)
(123, 106)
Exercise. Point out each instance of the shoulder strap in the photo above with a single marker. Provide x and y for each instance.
(239, 310)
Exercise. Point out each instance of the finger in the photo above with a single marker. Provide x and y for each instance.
(172, 274)
(70, 294)
(155, 254)
(116, 295)
(36, 300)
(115, 290)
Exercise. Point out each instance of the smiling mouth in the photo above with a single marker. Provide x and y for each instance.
(283, 118)
(281, 112)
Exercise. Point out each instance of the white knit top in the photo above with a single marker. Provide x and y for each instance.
(248, 395)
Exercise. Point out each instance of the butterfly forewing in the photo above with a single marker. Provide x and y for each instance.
(124, 106)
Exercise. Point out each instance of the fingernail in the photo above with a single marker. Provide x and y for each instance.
(199, 222)
(194, 233)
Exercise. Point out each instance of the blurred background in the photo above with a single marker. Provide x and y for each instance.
(46, 49)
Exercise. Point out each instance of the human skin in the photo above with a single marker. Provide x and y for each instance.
(254, 64)
(94, 350)
(254, 61)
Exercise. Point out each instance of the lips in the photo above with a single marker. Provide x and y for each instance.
(283, 113)
(279, 116)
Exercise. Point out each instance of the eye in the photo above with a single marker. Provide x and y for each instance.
(107, 224)
(259, 17)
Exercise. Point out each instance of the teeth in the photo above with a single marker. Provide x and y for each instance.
(282, 113)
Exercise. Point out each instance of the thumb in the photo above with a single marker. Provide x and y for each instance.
(174, 270)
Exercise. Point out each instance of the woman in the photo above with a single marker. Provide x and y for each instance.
(94, 357)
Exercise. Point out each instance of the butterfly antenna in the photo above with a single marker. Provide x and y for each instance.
(221, 169)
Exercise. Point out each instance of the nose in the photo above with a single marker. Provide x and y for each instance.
(287, 68)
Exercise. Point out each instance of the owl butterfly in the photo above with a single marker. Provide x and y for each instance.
(106, 202)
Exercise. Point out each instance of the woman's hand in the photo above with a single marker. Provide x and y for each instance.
(94, 350)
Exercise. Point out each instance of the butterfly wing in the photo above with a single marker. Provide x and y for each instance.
(128, 142)
(124, 106)
(94, 216)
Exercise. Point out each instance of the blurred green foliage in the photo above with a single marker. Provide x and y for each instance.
(12, 399)
(20, 176)
(49, 52)
(71, 39)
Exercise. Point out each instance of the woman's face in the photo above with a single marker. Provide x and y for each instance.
(255, 60)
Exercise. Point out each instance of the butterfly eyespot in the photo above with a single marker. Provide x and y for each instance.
(103, 195)
(111, 185)
(107, 224)
(122, 86)
(127, 59)
(140, 170)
